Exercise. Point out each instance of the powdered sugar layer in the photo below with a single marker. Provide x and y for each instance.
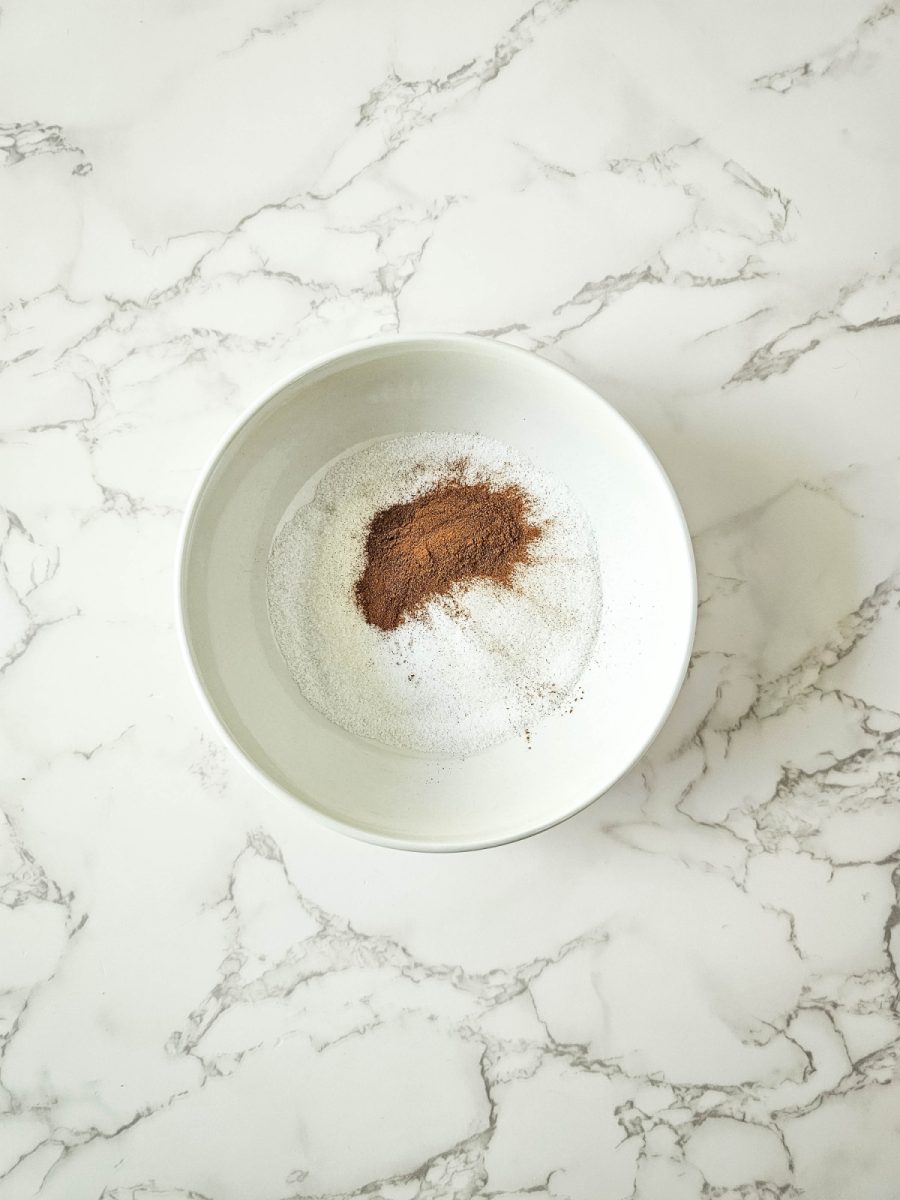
(474, 668)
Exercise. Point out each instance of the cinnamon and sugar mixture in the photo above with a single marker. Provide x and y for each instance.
(435, 592)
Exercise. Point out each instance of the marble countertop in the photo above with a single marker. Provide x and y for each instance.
(690, 990)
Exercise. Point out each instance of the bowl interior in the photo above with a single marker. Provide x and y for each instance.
(436, 384)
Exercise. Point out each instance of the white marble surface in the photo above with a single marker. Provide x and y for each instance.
(691, 989)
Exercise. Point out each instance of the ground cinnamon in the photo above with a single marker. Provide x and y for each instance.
(450, 535)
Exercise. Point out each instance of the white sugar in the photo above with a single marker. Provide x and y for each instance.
(470, 670)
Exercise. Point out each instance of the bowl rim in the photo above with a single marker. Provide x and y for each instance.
(469, 341)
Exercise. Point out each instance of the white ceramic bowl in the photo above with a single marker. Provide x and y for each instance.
(436, 383)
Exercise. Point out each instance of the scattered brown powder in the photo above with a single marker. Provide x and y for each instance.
(452, 534)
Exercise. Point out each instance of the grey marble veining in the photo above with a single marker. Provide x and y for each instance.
(688, 991)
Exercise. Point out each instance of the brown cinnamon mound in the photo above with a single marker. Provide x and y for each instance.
(452, 534)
